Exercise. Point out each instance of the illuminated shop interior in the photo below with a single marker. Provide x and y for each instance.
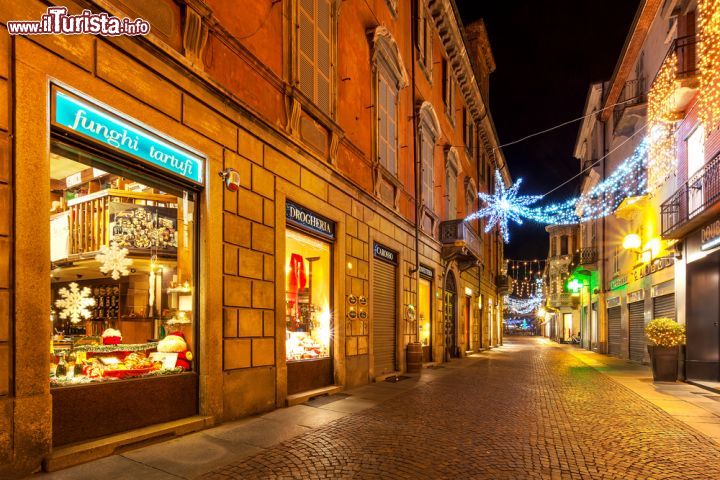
(122, 265)
(307, 296)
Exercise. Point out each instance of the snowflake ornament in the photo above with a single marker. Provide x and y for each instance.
(503, 206)
(114, 260)
(74, 303)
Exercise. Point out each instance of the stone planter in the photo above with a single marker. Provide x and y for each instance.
(664, 363)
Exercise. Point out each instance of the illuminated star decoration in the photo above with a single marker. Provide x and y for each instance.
(503, 206)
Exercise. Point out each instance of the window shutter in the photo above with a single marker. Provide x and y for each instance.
(306, 47)
(314, 51)
(421, 29)
(427, 38)
(392, 130)
(324, 66)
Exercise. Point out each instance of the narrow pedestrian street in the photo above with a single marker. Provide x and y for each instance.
(530, 409)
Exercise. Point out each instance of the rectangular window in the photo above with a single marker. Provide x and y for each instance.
(314, 50)
(308, 304)
(123, 273)
(448, 90)
(696, 161)
(451, 193)
(387, 122)
(428, 171)
(424, 36)
(468, 133)
(564, 245)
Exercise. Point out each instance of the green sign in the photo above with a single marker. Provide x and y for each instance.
(97, 123)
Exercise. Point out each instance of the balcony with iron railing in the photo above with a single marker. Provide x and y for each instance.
(631, 109)
(460, 241)
(558, 300)
(694, 203)
(586, 257)
(677, 78)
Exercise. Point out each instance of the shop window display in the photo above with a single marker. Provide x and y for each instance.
(308, 308)
(122, 273)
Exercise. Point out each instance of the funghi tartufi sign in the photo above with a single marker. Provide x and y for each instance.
(99, 124)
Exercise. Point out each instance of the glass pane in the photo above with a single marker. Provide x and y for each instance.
(122, 260)
(424, 309)
(308, 313)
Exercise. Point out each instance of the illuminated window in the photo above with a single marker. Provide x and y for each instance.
(123, 262)
(308, 313)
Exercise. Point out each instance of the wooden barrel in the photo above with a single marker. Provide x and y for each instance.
(414, 357)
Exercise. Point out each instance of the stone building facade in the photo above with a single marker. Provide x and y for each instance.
(361, 129)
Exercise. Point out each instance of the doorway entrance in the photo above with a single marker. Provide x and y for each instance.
(467, 324)
(703, 315)
(449, 303)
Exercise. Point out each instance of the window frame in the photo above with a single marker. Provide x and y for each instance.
(332, 56)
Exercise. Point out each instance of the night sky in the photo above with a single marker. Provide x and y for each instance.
(547, 53)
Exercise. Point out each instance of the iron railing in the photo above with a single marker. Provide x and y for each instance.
(684, 47)
(700, 192)
(560, 300)
(459, 234)
(633, 93)
(586, 256)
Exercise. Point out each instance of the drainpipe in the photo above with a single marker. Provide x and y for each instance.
(416, 169)
(603, 264)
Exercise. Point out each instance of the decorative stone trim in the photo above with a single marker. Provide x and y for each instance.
(448, 27)
(385, 51)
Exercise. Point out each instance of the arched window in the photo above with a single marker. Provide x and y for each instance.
(389, 77)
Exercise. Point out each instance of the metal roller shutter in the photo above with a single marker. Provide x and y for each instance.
(637, 330)
(384, 308)
(614, 330)
(664, 306)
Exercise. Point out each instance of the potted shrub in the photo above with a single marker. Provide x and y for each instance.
(665, 336)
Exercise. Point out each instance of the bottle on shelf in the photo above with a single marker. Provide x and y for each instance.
(61, 369)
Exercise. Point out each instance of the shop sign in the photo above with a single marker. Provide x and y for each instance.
(618, 282)
(613, 302)
(652, 267)
(426, 272)
(636, 296)
(97, 123)
(384, 253)
(663, 288)
(309, 220)
(710, 236)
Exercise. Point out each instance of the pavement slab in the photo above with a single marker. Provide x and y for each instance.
(531, 409)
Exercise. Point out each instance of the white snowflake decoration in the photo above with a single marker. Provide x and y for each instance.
(74, 303)
(114, 260)
(503, 206)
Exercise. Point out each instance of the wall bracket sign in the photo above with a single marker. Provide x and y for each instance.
(93, 121)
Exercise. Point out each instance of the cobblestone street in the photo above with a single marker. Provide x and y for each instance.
(532, 410)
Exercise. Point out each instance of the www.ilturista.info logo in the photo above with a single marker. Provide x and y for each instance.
(57, 22)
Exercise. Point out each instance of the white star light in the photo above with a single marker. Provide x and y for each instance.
(503, 206)
(114, 261)
(74, 303)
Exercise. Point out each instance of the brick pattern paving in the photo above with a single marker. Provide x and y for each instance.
(530, 411)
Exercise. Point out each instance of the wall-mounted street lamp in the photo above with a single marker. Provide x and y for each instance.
(632, 241)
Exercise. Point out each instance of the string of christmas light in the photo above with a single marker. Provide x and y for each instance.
(524, 306)
(709, 63)
(661, 154)
(629, 179)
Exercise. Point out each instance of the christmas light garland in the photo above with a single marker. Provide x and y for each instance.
(629, 179)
